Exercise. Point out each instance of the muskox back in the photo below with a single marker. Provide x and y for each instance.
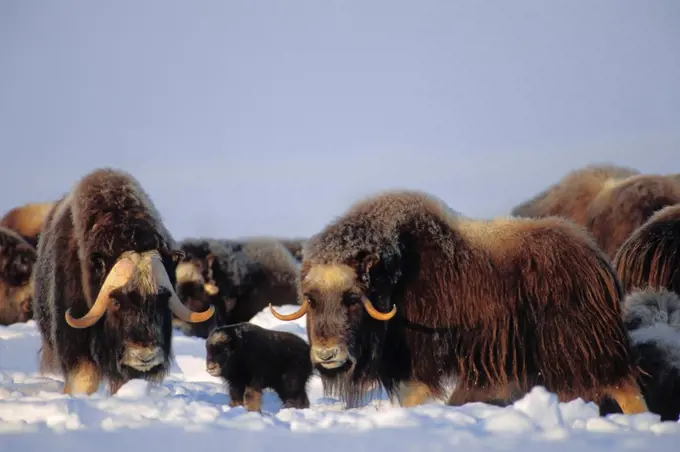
(17, 258)
(650, 257)
(622, 207)
(27, 220)
(570, 197)
(104, 285)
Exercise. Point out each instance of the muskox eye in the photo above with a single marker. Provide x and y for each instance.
(311, 301)
(350, 299)
(115, 304)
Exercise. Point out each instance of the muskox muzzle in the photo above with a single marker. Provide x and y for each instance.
(120, 274)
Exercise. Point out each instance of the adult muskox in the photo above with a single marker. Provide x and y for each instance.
(238, 277)
(17, 258)
(104, 285)
(623, 206)
(27, 220)
(403, 291)
(650, 257)
(570, 197)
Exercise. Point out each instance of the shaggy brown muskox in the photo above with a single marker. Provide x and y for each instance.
(623, 206)
(650, 257)
(570, 197)
(238, 277)
(652, 318)
(17, 258)
(27, 220)
(403, 291)
(104, 285)
(250, 358)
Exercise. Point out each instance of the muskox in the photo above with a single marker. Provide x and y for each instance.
(27, 220)
(650, 257)
(238, 277)
(403, 291)
(17, 258)
(294, 246)
(623, 206)
(250, 358)
(653, 321)
(570, 197)
(104, 286)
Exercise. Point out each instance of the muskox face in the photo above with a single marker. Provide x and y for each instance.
(219, 347)
(16, 303)
(337, 301)
(139, 299)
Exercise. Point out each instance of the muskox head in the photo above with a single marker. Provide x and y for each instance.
(16, 285)
(138, 299)
(339, 302)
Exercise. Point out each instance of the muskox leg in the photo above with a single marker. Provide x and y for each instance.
(293, 400)
(115, 385)
(252, 399)
(501, 395)
(629, 397)
(84, 378)
(236, 393)
(412, 393)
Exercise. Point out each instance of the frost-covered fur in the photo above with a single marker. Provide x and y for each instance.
(653, 320)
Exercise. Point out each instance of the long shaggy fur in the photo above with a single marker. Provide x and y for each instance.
(27, 220)
(650, 257)
(250, 274)
(17, 258)
(497, 305)
(106, 214)
(570, 197)
(653, 321)
(250, 358)
(622, 207)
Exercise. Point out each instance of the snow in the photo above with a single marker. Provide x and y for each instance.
(190, 412)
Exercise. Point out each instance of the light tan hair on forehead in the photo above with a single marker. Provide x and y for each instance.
(335, 276)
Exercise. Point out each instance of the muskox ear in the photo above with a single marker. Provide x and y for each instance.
(177, 256)
(368, 262)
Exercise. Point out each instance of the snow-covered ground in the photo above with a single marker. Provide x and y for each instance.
(189, 412)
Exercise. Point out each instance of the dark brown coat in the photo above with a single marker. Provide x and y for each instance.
(250, 359)
(623, 206)
(238, 277)
(104, 285)
(27, 220)
(502, 305)
(17, 258)
(650, 257)
(569, 198)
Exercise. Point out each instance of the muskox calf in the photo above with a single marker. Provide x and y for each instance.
(653, 321)
(27, 220)
(17, 258)
(570, 197)
(250, 359)
(104, 286)
(623, 206)
(239, 278)
(404, 292)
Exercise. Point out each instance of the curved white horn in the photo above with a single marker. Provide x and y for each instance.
(118, 276)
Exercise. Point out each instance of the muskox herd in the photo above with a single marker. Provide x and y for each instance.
(578, 291)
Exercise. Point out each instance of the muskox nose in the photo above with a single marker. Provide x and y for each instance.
(213, 369)
(143, 358)
(321, 354)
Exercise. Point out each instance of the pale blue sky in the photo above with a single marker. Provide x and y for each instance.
(271, 117)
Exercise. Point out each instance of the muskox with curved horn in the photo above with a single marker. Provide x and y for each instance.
(104, 285)
(650, 257)
(17, 258)
(403, 291)
(238, 277)
(27, 220)
(623, 206)
(570, 197)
